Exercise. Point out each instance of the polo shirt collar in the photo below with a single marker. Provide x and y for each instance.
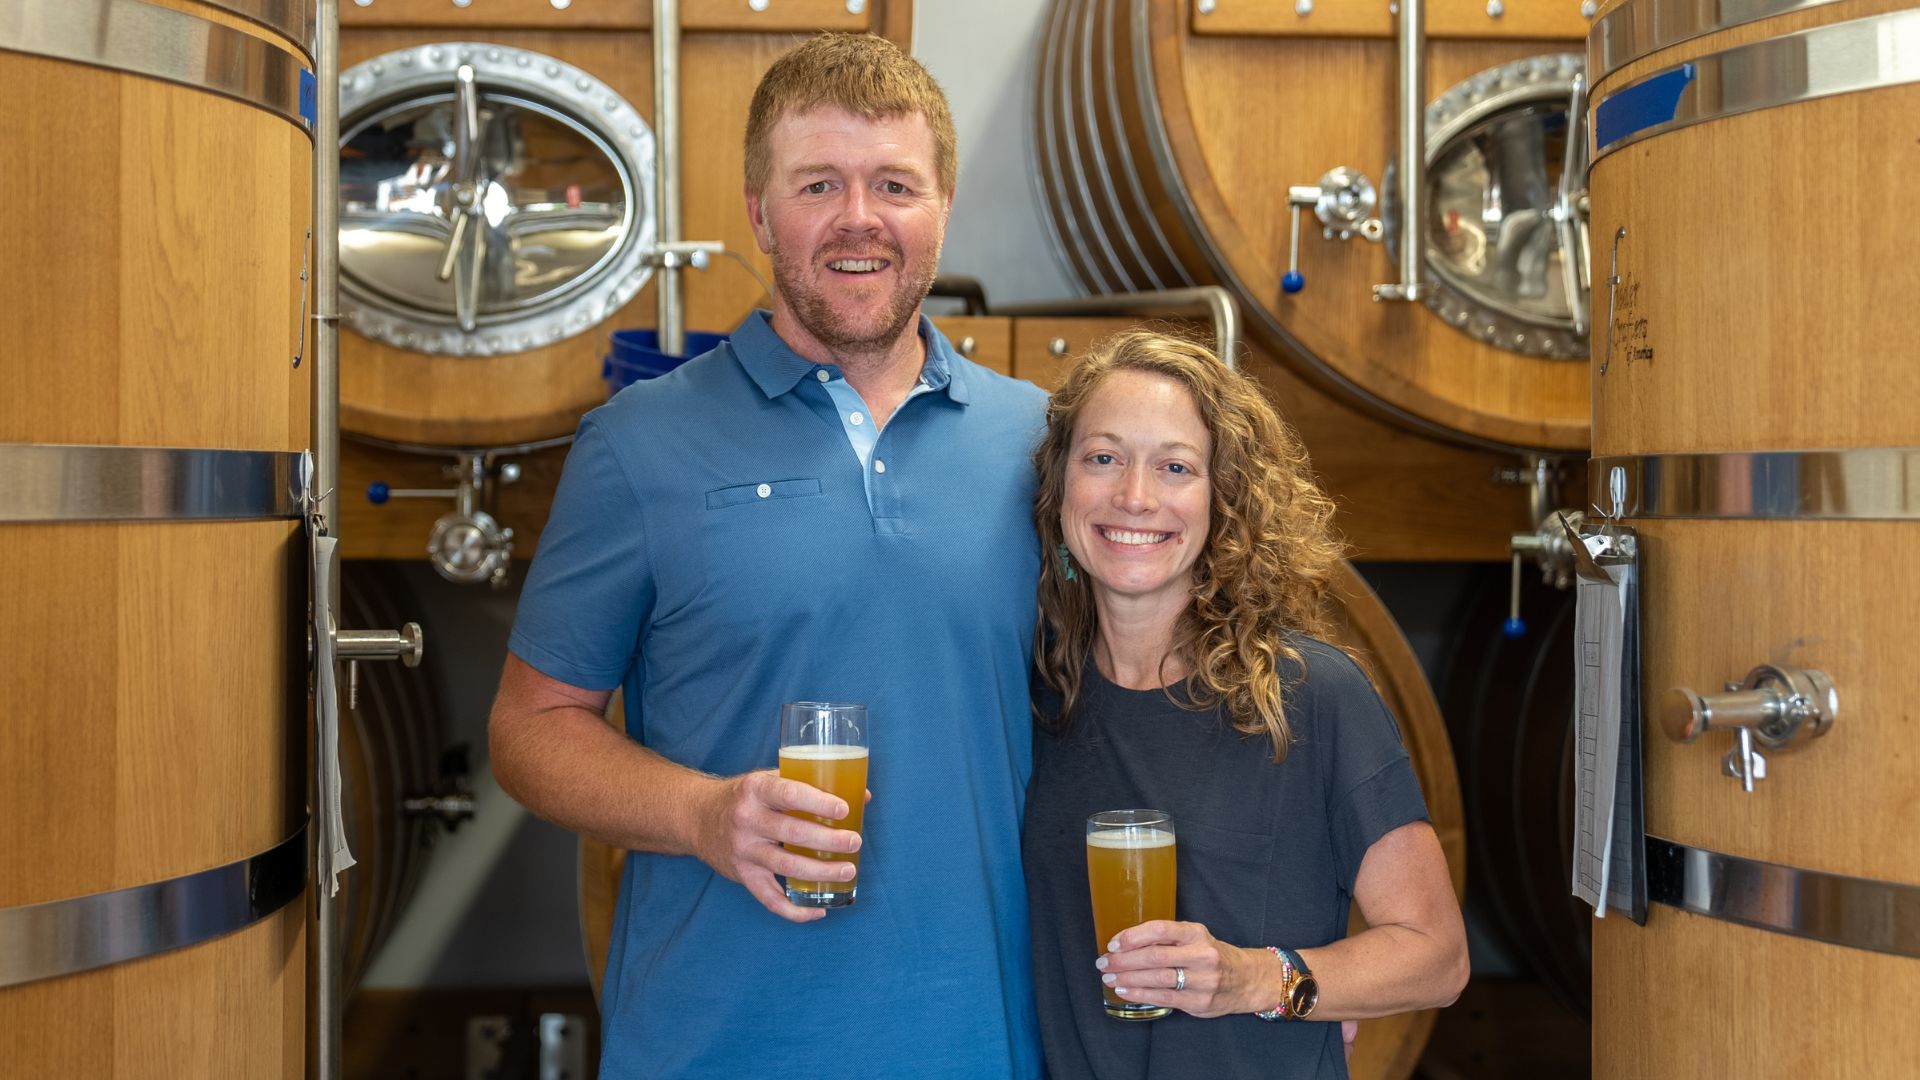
(776, 369)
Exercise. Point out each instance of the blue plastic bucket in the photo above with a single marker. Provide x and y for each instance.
(636, 355)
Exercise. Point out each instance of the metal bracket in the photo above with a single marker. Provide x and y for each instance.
(1613, 282)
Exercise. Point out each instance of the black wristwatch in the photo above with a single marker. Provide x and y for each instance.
(1300, 991)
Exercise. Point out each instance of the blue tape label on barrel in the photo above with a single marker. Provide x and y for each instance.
(309, 97)
(1643, 105)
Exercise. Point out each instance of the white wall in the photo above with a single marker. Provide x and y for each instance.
(982, 54)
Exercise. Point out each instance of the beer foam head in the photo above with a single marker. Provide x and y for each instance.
(1130, 839)
(811, 752)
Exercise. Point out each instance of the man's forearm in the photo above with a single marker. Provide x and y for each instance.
(569, 767)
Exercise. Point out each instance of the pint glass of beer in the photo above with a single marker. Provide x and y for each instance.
(825, 744)
(1131, 874)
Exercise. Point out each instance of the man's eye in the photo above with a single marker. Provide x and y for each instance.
(895, 187)
(818, 187)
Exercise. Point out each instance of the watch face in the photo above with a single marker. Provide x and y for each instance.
(1306, 994)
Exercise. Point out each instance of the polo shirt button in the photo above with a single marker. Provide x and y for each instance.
(856, 419)
(822, 375)
(763, 490)
(879, 466)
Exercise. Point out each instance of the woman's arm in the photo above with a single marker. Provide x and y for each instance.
(1413, 954)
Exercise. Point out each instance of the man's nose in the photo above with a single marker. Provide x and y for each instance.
(857, 211)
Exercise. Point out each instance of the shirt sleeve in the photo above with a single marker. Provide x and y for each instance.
(1372, 789)
(590, 588)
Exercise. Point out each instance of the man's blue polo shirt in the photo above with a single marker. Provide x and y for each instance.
(712, 550)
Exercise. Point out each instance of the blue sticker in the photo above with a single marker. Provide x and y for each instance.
(309, 97)
(1640, 106)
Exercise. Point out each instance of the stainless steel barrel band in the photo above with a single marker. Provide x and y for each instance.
(1642, 27)
(162, 43)
(61, 937)
(1859, 913)
(291, 19)
(1807, 485)
(1841, 58)
(42, 482)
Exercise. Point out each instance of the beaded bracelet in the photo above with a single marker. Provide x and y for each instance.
(1282, 1011)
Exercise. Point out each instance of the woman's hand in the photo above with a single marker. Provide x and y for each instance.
(1144, 965)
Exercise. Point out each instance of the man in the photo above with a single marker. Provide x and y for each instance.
(834, 507)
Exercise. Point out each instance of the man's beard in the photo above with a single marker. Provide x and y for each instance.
(792, 278)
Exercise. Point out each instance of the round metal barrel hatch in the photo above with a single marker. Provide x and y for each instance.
(496, 206)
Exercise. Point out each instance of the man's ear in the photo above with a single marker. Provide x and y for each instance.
(757, 217)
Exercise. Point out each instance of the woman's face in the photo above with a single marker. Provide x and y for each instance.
(1137, 500)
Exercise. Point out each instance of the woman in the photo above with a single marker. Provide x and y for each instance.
(1181, 667)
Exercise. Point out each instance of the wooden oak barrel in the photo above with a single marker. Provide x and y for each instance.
(1756, 403)
(531, 365)
(1389, 1048)
(157, 177)
(1169, 132)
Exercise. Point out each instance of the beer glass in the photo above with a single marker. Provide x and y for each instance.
(825, 744)
(1130, 872)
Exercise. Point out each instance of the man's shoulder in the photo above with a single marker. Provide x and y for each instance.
(1016, 398)
(681, 396)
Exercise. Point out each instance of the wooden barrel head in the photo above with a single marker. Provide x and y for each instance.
(1168, 136)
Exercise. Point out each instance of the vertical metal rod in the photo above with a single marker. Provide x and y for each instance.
(1412, 178)
(666, 171)
(1413, 144)
(325, 1009)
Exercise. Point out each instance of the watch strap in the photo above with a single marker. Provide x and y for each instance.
(1292, 970)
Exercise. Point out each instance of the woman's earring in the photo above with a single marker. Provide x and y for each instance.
(1066, 562)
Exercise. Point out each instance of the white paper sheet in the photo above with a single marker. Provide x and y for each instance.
(335, 858)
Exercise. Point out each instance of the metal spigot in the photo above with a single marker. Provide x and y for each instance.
(1782, 708)
(467, 546)
(1343, 200)
(1547, 544)
(407, 644)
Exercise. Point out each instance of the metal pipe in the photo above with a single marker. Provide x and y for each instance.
(963, 288)
(1210, 300)
(407, 644)
(324, 1010)
(666, 165)
(1412, 178)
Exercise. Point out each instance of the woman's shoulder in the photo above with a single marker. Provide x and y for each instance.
(1325, 666)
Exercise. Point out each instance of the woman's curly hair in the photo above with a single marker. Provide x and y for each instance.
(1270, 555)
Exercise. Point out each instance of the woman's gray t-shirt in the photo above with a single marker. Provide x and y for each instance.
(1267, 855)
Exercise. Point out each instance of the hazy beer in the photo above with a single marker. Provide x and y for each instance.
(837, 770)
(825, 745)
(1130, 872)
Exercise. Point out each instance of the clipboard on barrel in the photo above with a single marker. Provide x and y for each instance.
(1609, 842)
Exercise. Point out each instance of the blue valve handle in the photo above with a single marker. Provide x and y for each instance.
(1515, 626)
(1293, 281)
(378, 493)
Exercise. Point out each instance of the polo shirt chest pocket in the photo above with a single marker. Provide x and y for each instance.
(741, 564)
(766, 491)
